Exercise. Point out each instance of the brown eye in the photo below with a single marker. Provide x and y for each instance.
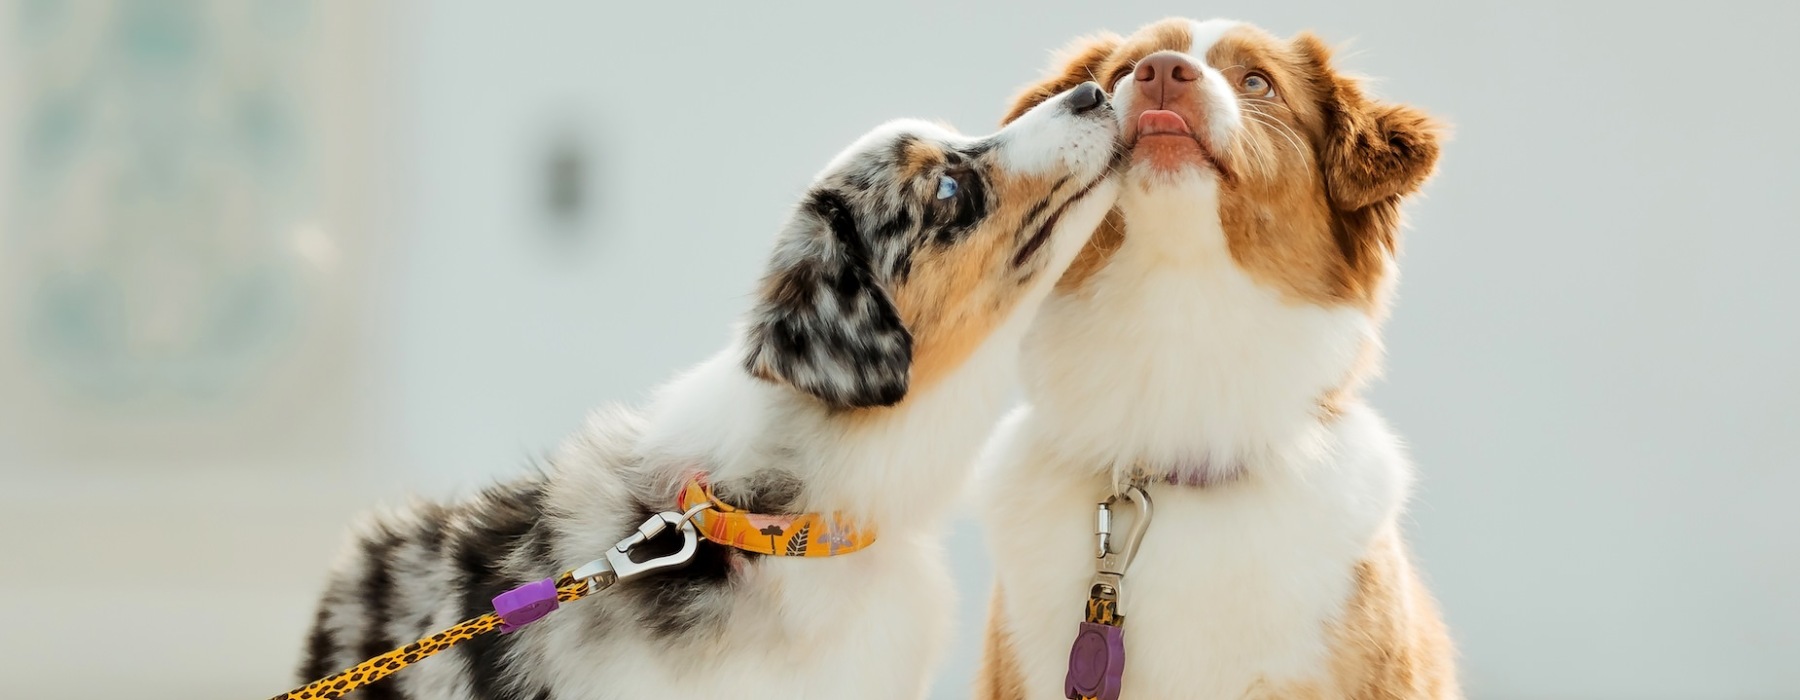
(1258, 84)
(1117, 75)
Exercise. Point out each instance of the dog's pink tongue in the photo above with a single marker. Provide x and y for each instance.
(1162, 121)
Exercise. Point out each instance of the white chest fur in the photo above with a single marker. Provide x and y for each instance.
(1234, 585)
(1171, 353)
(1172, 356)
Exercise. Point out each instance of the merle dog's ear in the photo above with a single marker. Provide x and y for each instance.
(823, 324)
(1075, 64)
(1373, 151)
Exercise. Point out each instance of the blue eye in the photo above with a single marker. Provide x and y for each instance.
(946, 187)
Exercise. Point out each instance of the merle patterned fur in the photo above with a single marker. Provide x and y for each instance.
(416, 572)
(825, 324)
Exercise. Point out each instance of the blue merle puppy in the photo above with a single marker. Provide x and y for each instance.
(879, 352)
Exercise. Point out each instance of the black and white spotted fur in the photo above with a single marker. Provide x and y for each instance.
(812, 408)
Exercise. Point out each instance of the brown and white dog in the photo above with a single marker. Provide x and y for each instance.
(1210, 342)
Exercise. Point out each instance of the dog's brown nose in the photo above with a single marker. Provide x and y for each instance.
(1166, 76)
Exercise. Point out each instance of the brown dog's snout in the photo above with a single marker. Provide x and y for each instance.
(1166, 76)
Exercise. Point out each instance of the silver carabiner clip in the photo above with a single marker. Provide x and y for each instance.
(616, 564)
(1110, 561)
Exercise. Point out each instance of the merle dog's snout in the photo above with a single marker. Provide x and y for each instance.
(1086, 97)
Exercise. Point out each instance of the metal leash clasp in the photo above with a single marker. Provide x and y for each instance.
(617, 565)
(1097, 658)
(1111, 560)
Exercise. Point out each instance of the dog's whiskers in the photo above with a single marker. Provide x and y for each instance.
(1261, 101)
(1270, 122)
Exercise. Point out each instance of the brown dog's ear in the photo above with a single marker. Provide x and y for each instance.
(1372, 151)
(1075, 64)
(823, 323)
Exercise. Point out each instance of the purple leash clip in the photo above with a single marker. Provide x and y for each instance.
(526, 604)
(1096, 663)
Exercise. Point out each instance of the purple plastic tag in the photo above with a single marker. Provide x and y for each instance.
(526, 604)
(1096, 663)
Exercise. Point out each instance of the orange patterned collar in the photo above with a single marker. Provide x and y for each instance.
(802, 535)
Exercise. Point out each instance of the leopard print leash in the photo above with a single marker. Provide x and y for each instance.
(568, 590)
(521, 606)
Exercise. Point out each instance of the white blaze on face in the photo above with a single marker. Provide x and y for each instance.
(1208, 106)
(1222, 116)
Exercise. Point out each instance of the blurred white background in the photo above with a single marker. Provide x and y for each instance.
(265, 264)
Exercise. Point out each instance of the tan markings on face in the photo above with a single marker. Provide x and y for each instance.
(1278, 221)
(1278, 132)
(999, 677)
(1173, 34)
(957, 294)
(918, 159)
(1103, 58)
(1389, 641)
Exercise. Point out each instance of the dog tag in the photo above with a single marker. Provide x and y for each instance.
(1096, 663)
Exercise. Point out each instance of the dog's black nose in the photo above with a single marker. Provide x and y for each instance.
(1086, 97)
